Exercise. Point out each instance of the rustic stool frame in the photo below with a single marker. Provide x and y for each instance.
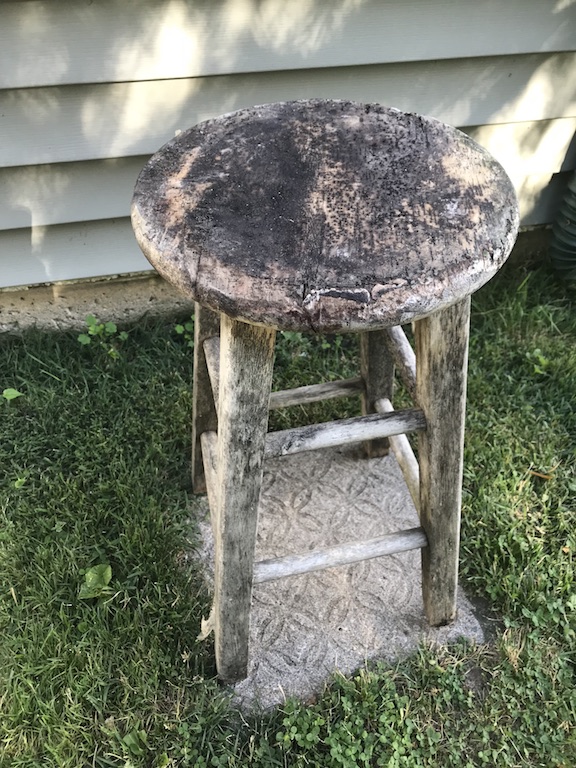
(326, 216)
(233, 364)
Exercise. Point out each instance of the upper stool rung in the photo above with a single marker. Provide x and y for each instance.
(312, 393)
(315, 393)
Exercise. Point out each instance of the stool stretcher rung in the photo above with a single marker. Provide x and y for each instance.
(209, 443)
(344, 431)
(343, 554)
(283, 398)
(212, 354)
(404, 455)
(403, 356)
(316, 392)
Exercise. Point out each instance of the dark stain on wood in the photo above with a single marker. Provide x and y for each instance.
(325, 215)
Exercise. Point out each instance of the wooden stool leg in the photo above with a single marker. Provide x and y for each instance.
(377, 370)
(246, 362)
(442, 356)
(204, 418)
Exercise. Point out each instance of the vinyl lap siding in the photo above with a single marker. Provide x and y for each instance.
(89, 90)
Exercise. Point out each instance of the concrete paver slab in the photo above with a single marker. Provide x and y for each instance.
(62, 306)
(305, 628)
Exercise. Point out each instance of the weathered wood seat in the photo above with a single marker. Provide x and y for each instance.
(325, 216)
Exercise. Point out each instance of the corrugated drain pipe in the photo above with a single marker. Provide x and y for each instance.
(563, 243)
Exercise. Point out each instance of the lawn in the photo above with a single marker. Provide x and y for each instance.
(100, 604)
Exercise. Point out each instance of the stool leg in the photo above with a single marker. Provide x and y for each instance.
(204, 418)
(377, 370)
(441, 367)
(246, 362)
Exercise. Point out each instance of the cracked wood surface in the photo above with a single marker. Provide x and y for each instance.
(325, 215)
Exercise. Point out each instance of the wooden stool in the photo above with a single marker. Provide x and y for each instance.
(325, 216)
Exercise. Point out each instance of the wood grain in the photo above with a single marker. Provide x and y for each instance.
(212, 356)
(314, 393)
(246, 362)
(442, 355)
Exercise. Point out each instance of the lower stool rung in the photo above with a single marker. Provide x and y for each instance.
(316, 560)
(343, 554)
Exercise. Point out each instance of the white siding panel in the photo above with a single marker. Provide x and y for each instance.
(41, 195)
(88, 90)
(86, 191)
(527, 149)
(94, 249)
(49, 42)
(62, 124)
(68, 252)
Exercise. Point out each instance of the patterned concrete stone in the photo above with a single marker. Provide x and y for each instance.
(306, 628)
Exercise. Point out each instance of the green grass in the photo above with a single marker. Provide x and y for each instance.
(94, 459)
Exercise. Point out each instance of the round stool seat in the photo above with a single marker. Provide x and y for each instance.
(325, 215)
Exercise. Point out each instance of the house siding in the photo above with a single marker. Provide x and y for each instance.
(89, 90)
